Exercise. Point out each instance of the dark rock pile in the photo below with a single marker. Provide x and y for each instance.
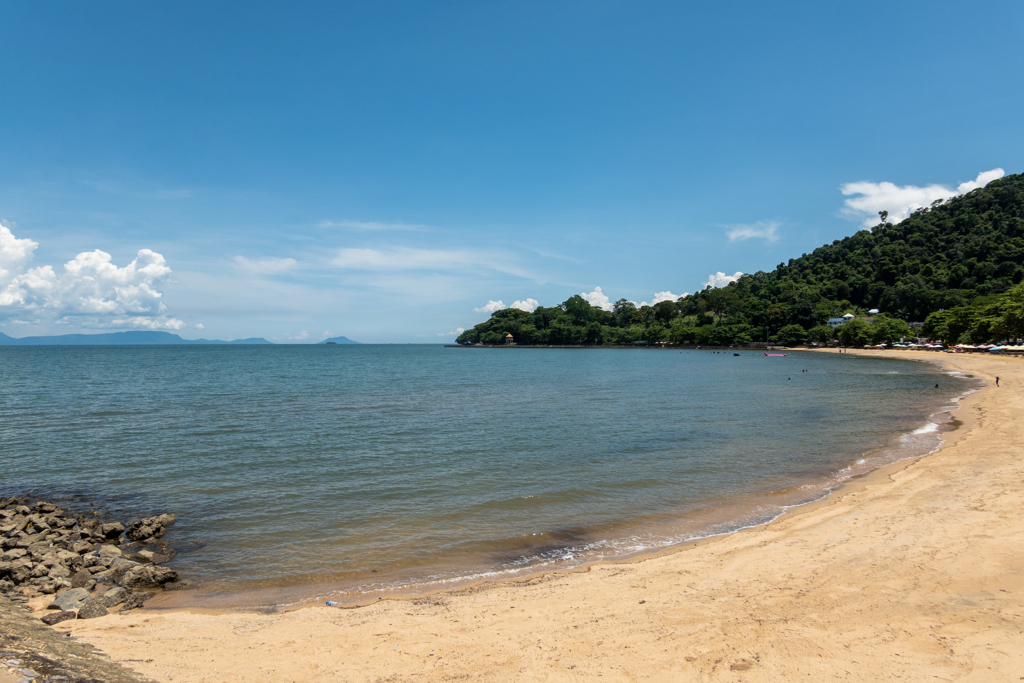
(84, 563)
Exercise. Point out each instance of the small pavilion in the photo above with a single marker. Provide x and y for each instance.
(508, 339)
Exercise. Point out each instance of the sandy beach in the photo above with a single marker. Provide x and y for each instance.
(914, 572)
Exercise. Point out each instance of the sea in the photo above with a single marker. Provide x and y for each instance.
(350, 472)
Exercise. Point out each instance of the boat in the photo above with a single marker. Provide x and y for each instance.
(776, 354)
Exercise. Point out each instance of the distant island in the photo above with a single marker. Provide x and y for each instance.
(952, 271)
(132, 338)
(338, 340)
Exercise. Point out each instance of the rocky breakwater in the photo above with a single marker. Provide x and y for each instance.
(89, 566)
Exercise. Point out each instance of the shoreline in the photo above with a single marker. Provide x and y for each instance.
(629, 541)
(432, 642)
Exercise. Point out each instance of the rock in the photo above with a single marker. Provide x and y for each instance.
(57, 617)
(143, 556)
(73, 598)
(115, 596)
(135, 601)
(122, 565)
(112, 530)
(45, 507)
(81, 577)
(151, 527)
(93, 607)
(148, 576)
(59, 571)
(6, 569)
(109, 551)
(81, 547)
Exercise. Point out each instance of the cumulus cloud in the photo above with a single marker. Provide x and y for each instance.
(598, 298)
(901, 201)
(983, 179)
(720, 279)
(91, 289)
(269, 266)
(199, 326)
(490, 307)
(528, 305)
(301, 336)
(456, 333)
(765, 230)
(664, 296)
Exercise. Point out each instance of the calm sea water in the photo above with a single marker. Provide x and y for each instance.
(300, 471)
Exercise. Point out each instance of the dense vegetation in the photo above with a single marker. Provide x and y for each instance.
(956, 267)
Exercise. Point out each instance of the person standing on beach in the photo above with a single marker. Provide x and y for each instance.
(997, 381)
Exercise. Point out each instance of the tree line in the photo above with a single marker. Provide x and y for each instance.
(956, 267)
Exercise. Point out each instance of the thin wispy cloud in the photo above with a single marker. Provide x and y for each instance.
(407, 258)
(269, 266)
(901, 201)
(766, 230)
(373, 226)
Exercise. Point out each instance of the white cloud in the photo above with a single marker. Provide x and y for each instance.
(90, 290)
(301, 336)
(326, 335)
(373, 226)
(598, 298)
(268, 266)
(899, 201)
(199, 326)
(720, 279)
(159, 323)
(528, 305)
(405, 258)
(490, 307)
(983, 179)
(456, 333)
(765, 230)
(664, 296)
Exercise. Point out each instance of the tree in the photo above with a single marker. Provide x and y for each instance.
(722, 302)
(889, 330)
(822, 334)
(791, 335)
(579, 310)
(854, 333)
(623, 311)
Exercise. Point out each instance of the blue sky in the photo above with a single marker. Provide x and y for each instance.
(381, 170)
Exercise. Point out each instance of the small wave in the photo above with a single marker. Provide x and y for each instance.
(927, 429)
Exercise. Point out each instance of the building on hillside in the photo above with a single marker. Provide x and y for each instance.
(836, 322)
(508, 339)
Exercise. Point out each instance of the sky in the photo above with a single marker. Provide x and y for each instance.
(394, 172)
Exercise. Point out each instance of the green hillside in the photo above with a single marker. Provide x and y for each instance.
(955, 266)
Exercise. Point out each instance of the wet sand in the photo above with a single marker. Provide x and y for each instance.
(913, 572)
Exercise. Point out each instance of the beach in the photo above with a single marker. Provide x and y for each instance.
(912, 572)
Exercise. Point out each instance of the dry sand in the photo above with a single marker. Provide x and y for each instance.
(915, 572)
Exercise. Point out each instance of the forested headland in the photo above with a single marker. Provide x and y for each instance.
(956, 266)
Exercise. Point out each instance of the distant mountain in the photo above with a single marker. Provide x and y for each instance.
(338, 340)
(117, 339)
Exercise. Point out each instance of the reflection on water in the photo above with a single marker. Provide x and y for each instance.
(340, 470)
